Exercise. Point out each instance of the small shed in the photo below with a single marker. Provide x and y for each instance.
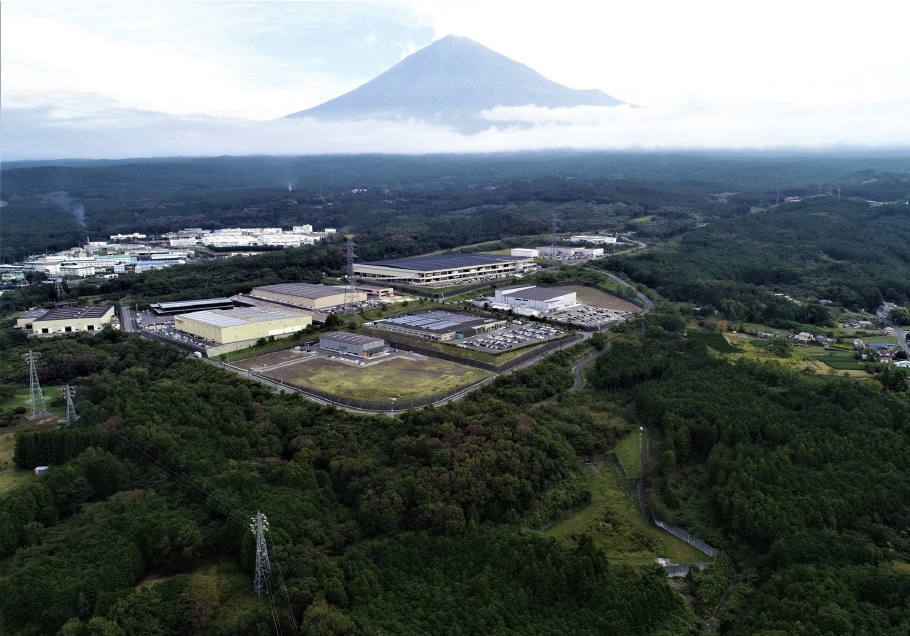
(40, 470)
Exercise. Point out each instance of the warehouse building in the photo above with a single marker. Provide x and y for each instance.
(352, 343)
(189, 306)
(308, 295)
(439, 325)
(60, 320)
(445, 269)
(542, 299)
(589, 238)
(241, 324)
(525, 252)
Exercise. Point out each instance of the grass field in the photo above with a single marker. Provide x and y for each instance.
(392, 379)
(841, 362)
(629, 452)
(14, 477)
(613, 521)
(713, 340)
(22, 395)
(597, 298)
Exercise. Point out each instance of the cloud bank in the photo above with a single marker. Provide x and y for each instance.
(102, 129)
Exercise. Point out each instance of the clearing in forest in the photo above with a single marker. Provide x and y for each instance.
(616, 525)
(597, 298)
(398, 378)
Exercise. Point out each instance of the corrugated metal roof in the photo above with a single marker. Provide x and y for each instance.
(302, 290)
(446, 261)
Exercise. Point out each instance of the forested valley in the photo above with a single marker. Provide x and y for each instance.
(488, 515)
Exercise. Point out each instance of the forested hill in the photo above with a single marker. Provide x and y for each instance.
(849, 252)
(406, 193)
(808, 476)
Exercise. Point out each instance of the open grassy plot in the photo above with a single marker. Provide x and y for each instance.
(613, 521)
(629, 453)
(713, 340)
(396, 378)
(597, 298)
(842, 362)
(20, 398)
(13, 478)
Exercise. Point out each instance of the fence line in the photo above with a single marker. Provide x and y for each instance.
(688, 538)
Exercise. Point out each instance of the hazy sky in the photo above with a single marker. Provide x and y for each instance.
(126, 79)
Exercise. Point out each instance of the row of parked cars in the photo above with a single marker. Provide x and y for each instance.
(588, 315)
(515, 337)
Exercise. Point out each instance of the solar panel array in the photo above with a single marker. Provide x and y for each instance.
(434, 320)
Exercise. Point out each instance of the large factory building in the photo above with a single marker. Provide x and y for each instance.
(61, 320)
(542, 299)
(445, 269)
(307, 295)
(353, 344)
(241, 324)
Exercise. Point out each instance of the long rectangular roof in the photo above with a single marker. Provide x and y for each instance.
(75, 313)
(240, 316)
(542, 294)
(437, 321)
(446, 261)
(301, 290)
(351, 338)
(180, 304)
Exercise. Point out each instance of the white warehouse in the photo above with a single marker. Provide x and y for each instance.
(542, 299)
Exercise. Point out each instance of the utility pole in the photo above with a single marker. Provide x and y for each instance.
(71, 416)
(259, 526)
(36, 396)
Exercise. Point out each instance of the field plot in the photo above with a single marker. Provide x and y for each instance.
(597, 298)
(842, 362)
(397, 378)
(614, 522)
(271, 359)
(713, 340)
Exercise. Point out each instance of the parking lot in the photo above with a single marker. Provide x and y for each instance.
(589, 316)
(512, 337)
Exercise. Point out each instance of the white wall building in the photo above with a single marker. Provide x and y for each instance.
(587, 238)
(526, 252)
(542, 299)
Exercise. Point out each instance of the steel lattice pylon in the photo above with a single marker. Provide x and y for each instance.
(350, 297)
(36, 396)
(71, 416)
(259, 526)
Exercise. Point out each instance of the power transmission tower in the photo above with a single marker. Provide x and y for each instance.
(553, 237)
(259, 526)
(71, 416)
(36, 396)
(350, 295)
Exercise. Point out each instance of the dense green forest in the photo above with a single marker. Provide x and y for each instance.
(438, 520)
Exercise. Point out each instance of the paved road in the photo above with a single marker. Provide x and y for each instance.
(128, 320)
(901, 339)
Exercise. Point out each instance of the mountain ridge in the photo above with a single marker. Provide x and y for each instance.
(452, 81)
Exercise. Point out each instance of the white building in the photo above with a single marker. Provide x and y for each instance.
(542, 299)
(302, 229)
(77, 270)
(588, 238)
(525, 252)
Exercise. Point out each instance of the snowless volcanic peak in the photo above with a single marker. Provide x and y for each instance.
(451, 82)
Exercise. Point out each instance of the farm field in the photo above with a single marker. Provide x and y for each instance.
(392, 379)
(613, 521)
(597, 298)
(713, 340)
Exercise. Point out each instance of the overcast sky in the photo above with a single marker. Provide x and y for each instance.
(131, 79)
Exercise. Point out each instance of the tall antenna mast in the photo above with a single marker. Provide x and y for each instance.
(36, 396)
(259, 526)
(71, 417)
(350, 297)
